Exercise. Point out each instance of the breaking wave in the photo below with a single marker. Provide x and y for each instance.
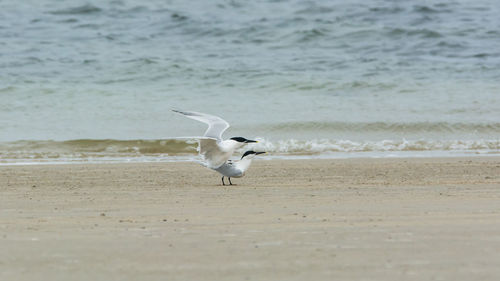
(398, 127)
(90, 149)
(325, 145)
(168, 150)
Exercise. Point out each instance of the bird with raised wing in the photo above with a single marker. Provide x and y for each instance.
(237, 169)
(214, 150)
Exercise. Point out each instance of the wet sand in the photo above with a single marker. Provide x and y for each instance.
(354, 219)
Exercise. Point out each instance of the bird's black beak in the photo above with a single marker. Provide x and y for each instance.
(257, 153)
(248, 141)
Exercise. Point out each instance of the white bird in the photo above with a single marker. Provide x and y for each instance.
(237, 169)
(214, 150)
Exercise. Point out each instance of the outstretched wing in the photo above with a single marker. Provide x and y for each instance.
(212, 153)
(216, 125)
(210, 150)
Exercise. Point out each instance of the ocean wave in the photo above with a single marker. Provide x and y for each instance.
(80, 10)
(409, 32)
(326, 145)
(395, 127)
(85, 149)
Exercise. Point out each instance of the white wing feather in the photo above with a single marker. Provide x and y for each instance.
(216, 125)
(209, 147)
(210, 150)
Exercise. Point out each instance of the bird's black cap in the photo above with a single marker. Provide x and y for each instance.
(241, 139)
(251, 152)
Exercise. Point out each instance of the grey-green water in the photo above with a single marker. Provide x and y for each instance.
(304, 76)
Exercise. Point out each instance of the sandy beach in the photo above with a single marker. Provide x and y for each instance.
(351, 219)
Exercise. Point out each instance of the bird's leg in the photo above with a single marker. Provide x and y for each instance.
(223, 181)
(230, 183)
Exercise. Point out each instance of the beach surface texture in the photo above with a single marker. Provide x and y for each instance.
(343, 219)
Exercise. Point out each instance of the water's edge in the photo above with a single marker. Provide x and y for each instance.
(173, 150)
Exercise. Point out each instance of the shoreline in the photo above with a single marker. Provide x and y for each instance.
(352, 219)
(268, 157)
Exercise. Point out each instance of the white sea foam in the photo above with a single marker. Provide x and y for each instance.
(325, 145)
(85, 151)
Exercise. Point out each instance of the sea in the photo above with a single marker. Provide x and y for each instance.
(95, 81)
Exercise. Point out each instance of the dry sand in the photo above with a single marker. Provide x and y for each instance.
(355, 219)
